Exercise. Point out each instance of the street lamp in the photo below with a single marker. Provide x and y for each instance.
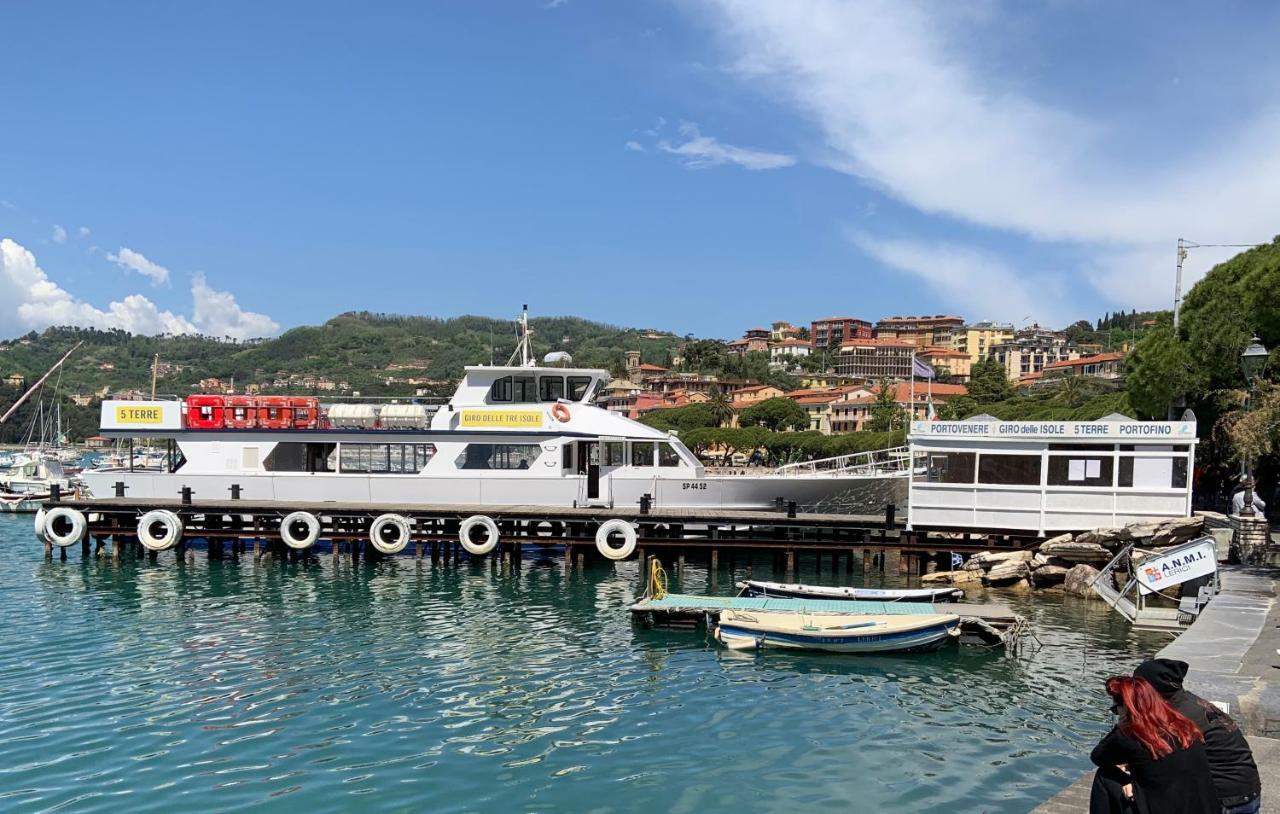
(1253, 362)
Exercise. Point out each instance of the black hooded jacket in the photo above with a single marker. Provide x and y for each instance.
(1230, 758)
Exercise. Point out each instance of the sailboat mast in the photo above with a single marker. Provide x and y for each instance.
(33, 388)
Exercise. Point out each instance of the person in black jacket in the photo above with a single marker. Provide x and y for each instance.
(1235, 774)
(1157, 750)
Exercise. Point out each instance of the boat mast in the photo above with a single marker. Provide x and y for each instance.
(523, 353)
(39, 382)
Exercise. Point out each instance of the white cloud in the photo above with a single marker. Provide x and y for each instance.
(130, 260)
(978, 283)
(7, 204)
(555, 3)
(84, 231)
(902, 101)
(59, 234)
(218, 314)
(29, 300)
(701, 152)
(633, 146)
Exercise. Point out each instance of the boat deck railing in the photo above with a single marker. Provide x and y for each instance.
(875, 462)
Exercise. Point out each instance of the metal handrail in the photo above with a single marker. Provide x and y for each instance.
(878, 461)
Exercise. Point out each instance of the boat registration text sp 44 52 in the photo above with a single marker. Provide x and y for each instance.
(687, 485)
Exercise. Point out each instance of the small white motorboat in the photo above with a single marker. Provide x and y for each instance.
(753, 587)
(836, 632)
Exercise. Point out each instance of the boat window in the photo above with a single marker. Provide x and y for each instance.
(667, 456)
(524, 389)
(395, 459)
(566, 457)
(1079, 470)
(642, 453)
(286, 457)
(615, 453)
(498, 456)
(1153, 473)
(552, 387)
(948, 467)
(578, 387)
(501, 390)
(1009, 470)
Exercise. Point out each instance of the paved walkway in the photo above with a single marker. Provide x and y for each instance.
(1232, 650)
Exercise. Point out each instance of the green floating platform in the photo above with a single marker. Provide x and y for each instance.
(689, 602)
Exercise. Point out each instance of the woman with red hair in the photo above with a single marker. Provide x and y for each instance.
(1157, 750)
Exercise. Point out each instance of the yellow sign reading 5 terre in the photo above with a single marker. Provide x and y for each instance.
(139, 415)
(519, 419)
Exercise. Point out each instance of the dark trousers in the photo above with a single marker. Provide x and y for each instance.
(1107, 797)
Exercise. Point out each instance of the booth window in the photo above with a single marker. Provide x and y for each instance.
(1080, 470)
(498, 456)
(948, 467)
(1009, 470)
(1153, 473)
(642, 453)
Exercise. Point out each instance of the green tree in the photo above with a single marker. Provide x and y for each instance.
(988, 381)
(775, 414)
(681, 419)
(886, 415)
(720, 405)
(1161, 371)
(958, 408)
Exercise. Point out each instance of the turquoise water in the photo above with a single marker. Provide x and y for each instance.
(401, 686)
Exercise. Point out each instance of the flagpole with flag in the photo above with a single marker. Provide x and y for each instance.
(919, 368)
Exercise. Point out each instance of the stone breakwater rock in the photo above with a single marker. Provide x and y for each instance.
(951, 578)
(1073, 551)
(1041, 560)
(990, 559)
(1078, 580)
(1138, 531)
(1007, 572)
(1177, 530)
(1106, 537)
(1047, 575)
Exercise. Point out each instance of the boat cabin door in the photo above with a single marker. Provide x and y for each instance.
(594, 490)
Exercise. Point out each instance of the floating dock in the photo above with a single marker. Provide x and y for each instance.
(980, 624)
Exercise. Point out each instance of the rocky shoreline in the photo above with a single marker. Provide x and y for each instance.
(1070, 562)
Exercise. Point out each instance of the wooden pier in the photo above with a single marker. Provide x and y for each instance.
(233, 527)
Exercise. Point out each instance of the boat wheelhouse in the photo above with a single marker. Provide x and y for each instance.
(1049, 476)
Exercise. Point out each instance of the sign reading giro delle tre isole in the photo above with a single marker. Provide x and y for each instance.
(508, 419)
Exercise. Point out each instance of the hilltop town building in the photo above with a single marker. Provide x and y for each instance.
(1100, 366)
(783, 330)
(945, 360)
(926, 331)
(1031, 350)
(875, 359)
(830, 333)
(853, 412)
(977, 340)
(783, 353)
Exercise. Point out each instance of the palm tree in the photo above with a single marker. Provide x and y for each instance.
(721, 406)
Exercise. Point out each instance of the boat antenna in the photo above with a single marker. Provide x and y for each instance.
(39, 382)
(522, 351)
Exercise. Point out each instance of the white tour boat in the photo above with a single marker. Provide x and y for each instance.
(519, 434)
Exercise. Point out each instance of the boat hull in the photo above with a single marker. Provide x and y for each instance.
(798, 591)
(866, 634)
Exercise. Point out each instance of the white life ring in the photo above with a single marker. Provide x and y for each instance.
(491, 535)
(40, 522)
(73, 520)
(402, 532)
(307, 539)
(159, 541)
(622, 527)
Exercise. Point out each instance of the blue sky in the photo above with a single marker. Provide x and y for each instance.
(241, 168)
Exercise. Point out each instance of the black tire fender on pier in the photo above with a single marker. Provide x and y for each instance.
(491, 537)
(300, 542)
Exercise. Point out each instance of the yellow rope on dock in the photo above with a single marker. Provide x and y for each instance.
(657, 580)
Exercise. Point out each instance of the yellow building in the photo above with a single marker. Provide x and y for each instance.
(978, 339)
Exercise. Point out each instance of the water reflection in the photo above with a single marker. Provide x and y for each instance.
(400, 685)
